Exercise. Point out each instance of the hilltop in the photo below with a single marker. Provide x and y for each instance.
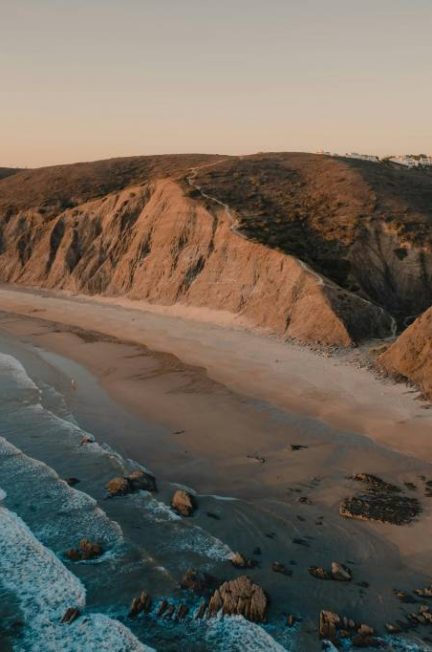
(366, 226)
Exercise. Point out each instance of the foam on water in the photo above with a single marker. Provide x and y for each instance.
(237, 635)
(186, 536)
(394, 643)
(183, 487)
(69, 429)
(45, 590)
(195, 539)
(14, 370)
(156, 510)
(223, 498)
(401, 645)
(55, 510)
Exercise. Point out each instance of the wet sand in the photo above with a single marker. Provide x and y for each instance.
(228, 406)
(334, 389)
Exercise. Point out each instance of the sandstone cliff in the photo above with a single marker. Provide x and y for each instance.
(151, 242)
(281, 255)
(411, 355)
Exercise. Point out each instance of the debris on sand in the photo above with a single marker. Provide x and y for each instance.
(256, 458)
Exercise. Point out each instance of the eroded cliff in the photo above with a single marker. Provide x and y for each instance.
(305, 246)
(154, 243)
(411, 355)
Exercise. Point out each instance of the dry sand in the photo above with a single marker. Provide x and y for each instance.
(233, 402)
(332, 389)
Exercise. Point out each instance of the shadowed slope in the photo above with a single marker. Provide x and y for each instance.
(366, 226)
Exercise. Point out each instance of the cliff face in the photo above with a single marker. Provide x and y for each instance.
(411, 355)
(310, 247)
(366, 226)
(152, 242)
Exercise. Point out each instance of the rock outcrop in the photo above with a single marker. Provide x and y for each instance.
(198, 581)
(338, 572)
(278, 567)
(240, 561)
(239, 597)
(183, 503)
(140, 604)
(410, 357)
(86, 550)
(71, 614)
(335, 628)
(135, 481)
(381, 501)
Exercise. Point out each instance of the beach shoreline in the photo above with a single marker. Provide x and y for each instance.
(337, 390)
(287, 466)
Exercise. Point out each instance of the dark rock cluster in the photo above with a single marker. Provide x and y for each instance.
(86, 550)
(336, 628)
(134, 481)
(380, 501)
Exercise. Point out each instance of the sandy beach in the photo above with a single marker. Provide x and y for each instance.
(239, 414)
(335, 389)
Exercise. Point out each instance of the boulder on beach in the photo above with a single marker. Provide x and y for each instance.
(319, 572)
(198, 582)
(142, 481)
(240, 561)
(86, 550)
(239, 597)
(340, 572)
(328, 625)
(182, 612)
(335, 628)
(162, 608)
(118, 486)
(278, 567)
(135, 481)
(141, 604)
(183, 503)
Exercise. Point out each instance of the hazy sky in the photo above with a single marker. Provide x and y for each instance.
(88, 79)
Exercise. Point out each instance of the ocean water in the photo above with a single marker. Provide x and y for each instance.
(146, 546)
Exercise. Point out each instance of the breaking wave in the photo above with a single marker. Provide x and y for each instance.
(46, 590)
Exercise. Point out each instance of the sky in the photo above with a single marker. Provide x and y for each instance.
(91, 79)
